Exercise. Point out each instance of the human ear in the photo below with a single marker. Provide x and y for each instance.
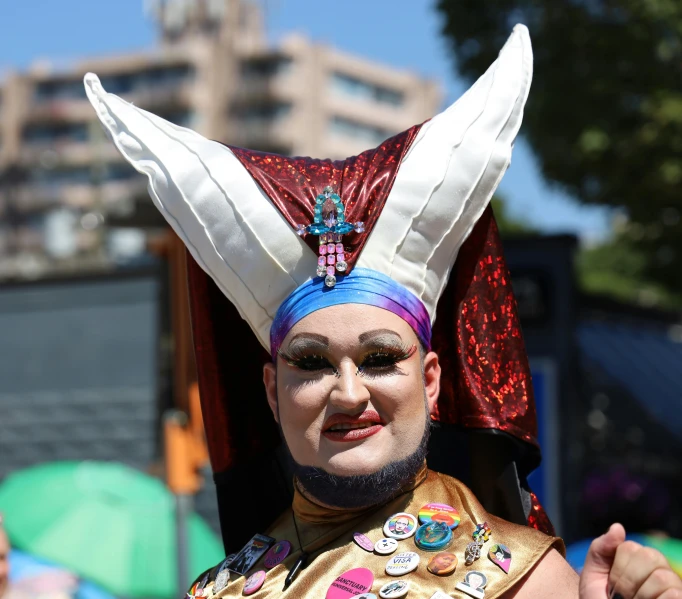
(431, 379)
(270, 382)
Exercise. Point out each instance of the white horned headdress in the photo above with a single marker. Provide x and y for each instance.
(398, 214)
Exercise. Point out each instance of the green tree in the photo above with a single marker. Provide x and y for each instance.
(605, 110)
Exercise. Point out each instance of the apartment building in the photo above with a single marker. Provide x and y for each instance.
(67, 199)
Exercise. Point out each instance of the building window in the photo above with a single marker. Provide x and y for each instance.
(82, 175)
(350, 86)
(56, 132)
(360, 131)
(263, 113)
(148, 80)
(154, 78)
(48, 91)
(78, 175)
(264, 67)
(119, 171)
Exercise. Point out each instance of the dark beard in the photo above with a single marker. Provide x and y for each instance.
(362, 490)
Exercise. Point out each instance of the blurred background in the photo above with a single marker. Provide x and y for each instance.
(96, 365)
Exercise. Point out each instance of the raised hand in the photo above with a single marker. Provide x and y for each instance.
(619, 569)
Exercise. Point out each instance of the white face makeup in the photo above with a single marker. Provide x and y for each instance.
(348, 389)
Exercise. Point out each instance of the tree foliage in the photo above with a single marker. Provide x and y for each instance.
(605, 110)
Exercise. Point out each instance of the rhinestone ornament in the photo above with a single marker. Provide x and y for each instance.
(329, 222)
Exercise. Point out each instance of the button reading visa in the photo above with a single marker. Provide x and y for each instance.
(402, 563)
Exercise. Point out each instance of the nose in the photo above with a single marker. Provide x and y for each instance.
(349, 391)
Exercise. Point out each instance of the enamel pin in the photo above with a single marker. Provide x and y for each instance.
(474, 584)
(501, 556)
(473, 549)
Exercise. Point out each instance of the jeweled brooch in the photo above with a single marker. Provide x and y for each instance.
(330, 224)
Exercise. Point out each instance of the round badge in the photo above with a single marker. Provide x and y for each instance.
(392, 590)
(442, 564)
(254, 582)
(402, 563)
(433, 536)
(363, 542)
(351, 583)
(277, 554)
(385, 546)
(366, 596)
(439, 512)
(400, 526)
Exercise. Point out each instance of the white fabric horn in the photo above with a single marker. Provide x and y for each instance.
(448, 176)
(229, 225)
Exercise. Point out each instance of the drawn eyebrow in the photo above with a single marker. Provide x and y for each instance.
(308, 340)
(377, 334)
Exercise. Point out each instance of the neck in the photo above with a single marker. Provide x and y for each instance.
(310, 509)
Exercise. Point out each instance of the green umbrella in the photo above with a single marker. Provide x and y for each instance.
(106, 522)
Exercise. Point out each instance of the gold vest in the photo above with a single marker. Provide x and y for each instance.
(327, 536)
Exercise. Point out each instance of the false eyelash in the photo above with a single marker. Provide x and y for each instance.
(297, 359)
(394, 355)
(397, 352)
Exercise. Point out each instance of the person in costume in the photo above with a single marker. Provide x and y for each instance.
(339, 269)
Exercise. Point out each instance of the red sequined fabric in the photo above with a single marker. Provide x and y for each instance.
(486, 381)
(538, 518)
(362, 181)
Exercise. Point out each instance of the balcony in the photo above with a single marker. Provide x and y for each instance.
(76, 107)
(66, 152)
(111, 196)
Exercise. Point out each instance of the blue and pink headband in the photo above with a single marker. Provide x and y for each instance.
(360, 286)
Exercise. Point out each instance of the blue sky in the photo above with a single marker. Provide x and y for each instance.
(402, 33)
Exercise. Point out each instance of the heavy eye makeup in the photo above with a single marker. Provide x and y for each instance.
(377, 359)
(384, 359)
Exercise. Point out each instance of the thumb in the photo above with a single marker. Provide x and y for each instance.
(602, 551)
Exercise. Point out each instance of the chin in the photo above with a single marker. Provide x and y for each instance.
(356, 461)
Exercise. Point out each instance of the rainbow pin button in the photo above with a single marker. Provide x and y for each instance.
(439, 512)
